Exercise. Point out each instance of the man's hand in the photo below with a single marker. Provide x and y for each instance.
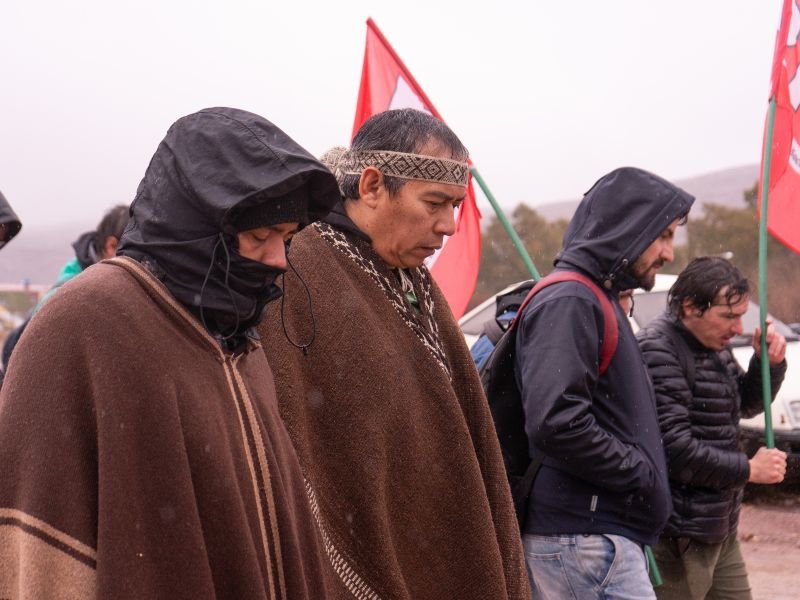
(776, 344)
(768, 465)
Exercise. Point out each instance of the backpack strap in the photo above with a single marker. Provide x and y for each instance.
(493, 331)
(610, 330)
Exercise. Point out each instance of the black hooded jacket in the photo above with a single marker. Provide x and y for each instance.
(9, 219)
(604, 470)
(211, 166)
(85, 252)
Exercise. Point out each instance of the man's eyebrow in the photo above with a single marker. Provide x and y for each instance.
(445, 196)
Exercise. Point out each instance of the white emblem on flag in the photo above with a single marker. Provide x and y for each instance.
(794, 83)
(404, 96)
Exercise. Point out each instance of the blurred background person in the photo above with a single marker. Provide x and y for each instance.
(90, 247)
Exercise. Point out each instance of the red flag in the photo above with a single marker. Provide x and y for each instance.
(386, 83)
(783, 220)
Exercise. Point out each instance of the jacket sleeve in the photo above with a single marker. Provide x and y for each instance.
(557, 372)
(690, 460)
(750, 386)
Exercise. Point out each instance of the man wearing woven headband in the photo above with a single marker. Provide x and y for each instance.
(377, 386)
(142, 452)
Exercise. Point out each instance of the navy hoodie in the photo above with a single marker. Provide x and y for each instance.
(604, 470)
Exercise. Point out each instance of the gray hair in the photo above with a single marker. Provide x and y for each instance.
(403, 130)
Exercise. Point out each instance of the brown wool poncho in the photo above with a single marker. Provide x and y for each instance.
(392, 429)
(140, 461)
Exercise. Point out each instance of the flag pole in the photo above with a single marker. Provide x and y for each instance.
(769, 435)
(518, 245)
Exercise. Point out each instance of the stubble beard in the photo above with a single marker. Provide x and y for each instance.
(647, 282)
(646, 278)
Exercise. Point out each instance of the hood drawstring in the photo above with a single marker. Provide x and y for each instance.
(220, 240)
(306, 346)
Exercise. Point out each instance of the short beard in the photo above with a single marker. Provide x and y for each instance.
(647, 283)
(643, 277)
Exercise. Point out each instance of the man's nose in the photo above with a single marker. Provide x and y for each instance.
(738, 328)
(446, 224)
(276, 254)
(667, 252)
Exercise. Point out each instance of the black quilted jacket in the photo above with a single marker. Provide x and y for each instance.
(700, 429)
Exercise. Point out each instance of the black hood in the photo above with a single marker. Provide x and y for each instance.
(619, 217)
(9, 219)
(210, 166)
(85, 252)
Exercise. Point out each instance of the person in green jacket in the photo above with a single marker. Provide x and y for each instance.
(90, 247)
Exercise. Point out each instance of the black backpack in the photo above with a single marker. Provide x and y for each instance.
(505, 402)
(511, 301)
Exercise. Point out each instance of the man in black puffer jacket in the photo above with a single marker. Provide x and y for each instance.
(602, 491)
(699, 554)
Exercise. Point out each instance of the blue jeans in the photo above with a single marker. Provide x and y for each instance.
(586, 566)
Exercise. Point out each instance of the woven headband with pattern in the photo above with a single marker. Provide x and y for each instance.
(406, 166)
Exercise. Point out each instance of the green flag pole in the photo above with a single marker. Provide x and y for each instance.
(769, 435)
(520, 248)
(652, 567)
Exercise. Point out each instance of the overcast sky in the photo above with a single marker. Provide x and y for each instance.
(546, 95)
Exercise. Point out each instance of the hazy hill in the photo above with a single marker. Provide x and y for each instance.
(37, 254)
(720, 187)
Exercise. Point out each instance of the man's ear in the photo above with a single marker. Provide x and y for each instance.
(110, 247)
(689, 309)
(370, 186)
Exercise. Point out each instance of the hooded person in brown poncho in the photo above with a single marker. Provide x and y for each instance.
(142, 451)
(377, 387)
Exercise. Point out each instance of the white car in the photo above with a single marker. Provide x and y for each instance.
(647, 306)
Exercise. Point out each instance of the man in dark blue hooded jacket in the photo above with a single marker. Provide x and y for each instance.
(601, 493)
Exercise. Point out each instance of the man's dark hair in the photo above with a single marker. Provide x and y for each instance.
(701, 281)
(402, 130)
(112, 224)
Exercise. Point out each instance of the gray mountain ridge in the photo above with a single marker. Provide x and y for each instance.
(725, 187)
(37, 254)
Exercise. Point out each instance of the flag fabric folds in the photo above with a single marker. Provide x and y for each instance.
(386, 84)
(784, 169)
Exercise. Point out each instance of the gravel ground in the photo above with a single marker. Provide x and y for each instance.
(769, 532)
